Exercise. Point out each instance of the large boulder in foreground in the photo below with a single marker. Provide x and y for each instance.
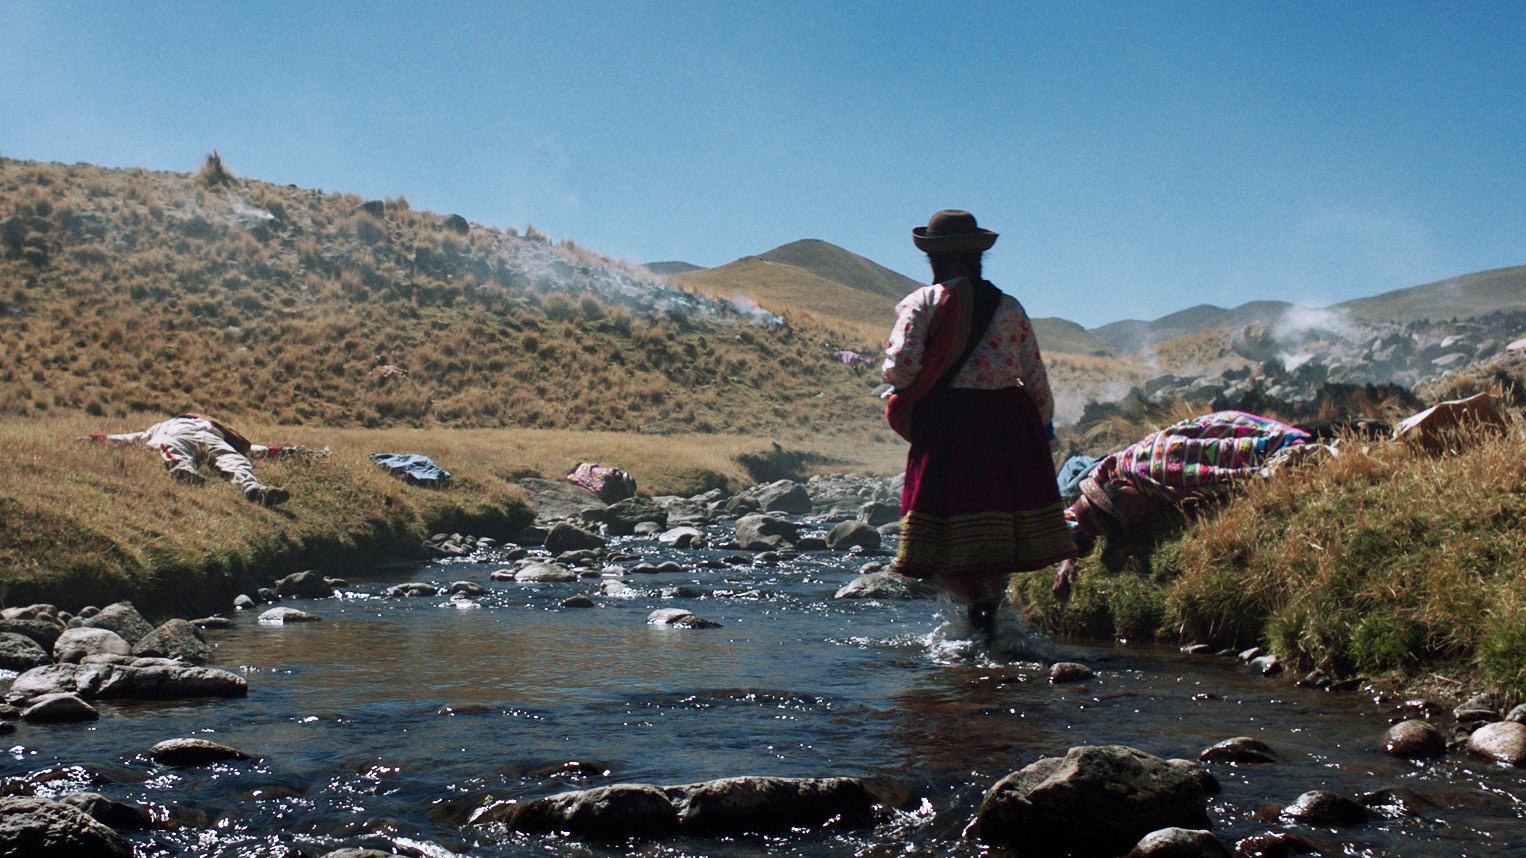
(1096, 800)
(726, 807)
(123, 677)
(75, 645)
(43, 828)
(21, 653)
(121, 618)
(176, 639)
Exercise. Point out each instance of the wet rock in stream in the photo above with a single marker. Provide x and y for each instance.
(1502, 741)
(1240, 749)
(725, 807)
(124, 677)
(1324, 808)
(21, 653)
(759, 532)
(680, 618)
(1179, 843)
(1096, 800)
(284, 616)
(1414, 739)
(43, 828)
(75, 644)
(179, 753)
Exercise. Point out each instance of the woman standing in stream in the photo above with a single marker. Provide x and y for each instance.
(972, 396)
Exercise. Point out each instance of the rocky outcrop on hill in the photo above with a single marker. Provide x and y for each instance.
(1330, 360)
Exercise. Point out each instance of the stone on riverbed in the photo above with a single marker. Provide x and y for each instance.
(467, 588)
(545, 572)
(1320, 808)
(1414, 738)
(282, 616)
(180, 753)
(680, 618)
(44, 632)
(121, 618)
(174, 639)
(570, 537)
(622, 517)
(1179, 843)
(758, 532)
(726, 807)
(411, 589)
(124, 677)
(114, 814)
(1241, 749)
(682, 537)
(75, 644)
(309, 583)
(20, 653)
(847, 534)
(1502, 741)
(1069, 671)
(886, 584)
(44, 828)
(781, 496)
(59, 708)
(1096, 800)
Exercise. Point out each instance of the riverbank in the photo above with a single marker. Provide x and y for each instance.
(91, 523)
(1386, 565)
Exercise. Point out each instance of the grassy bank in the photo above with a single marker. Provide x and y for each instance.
(90, 523)
(1390, 564)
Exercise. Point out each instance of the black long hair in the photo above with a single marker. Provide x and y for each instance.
(947, 266)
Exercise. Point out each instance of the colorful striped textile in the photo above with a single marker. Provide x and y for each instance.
(1201, 456)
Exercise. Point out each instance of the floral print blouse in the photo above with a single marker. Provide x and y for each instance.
(1008, 356)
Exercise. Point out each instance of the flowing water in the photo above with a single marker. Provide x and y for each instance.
(387, 723)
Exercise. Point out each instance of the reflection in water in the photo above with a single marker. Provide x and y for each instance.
(390, 721)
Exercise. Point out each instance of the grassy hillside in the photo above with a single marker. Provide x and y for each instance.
(811, 277)
(840, 266)
(1064, 336)
(128, 292)
(780, 287)
(89, 523)
(1457, 297)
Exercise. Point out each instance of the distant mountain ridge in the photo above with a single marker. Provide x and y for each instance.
(809, 275)
(1466, 296)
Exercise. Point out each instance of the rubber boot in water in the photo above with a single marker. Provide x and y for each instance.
(982, 617)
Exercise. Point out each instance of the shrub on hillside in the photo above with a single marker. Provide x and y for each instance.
(212, 173)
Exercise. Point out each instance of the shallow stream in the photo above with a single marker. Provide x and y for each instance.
(387, 723)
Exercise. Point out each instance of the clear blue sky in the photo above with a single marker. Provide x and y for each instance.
(1138, 158)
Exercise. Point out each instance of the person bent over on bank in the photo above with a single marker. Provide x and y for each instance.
(186, 442)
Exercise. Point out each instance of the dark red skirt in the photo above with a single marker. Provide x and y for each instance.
(980, 495)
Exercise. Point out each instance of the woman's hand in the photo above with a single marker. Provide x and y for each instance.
(1063, 579)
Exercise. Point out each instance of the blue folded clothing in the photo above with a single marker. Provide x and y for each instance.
(411, 467)
(1075, 469)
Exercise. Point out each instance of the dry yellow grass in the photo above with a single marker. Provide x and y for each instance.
(90, 522)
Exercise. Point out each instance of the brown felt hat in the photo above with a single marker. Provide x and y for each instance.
(952, 231)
